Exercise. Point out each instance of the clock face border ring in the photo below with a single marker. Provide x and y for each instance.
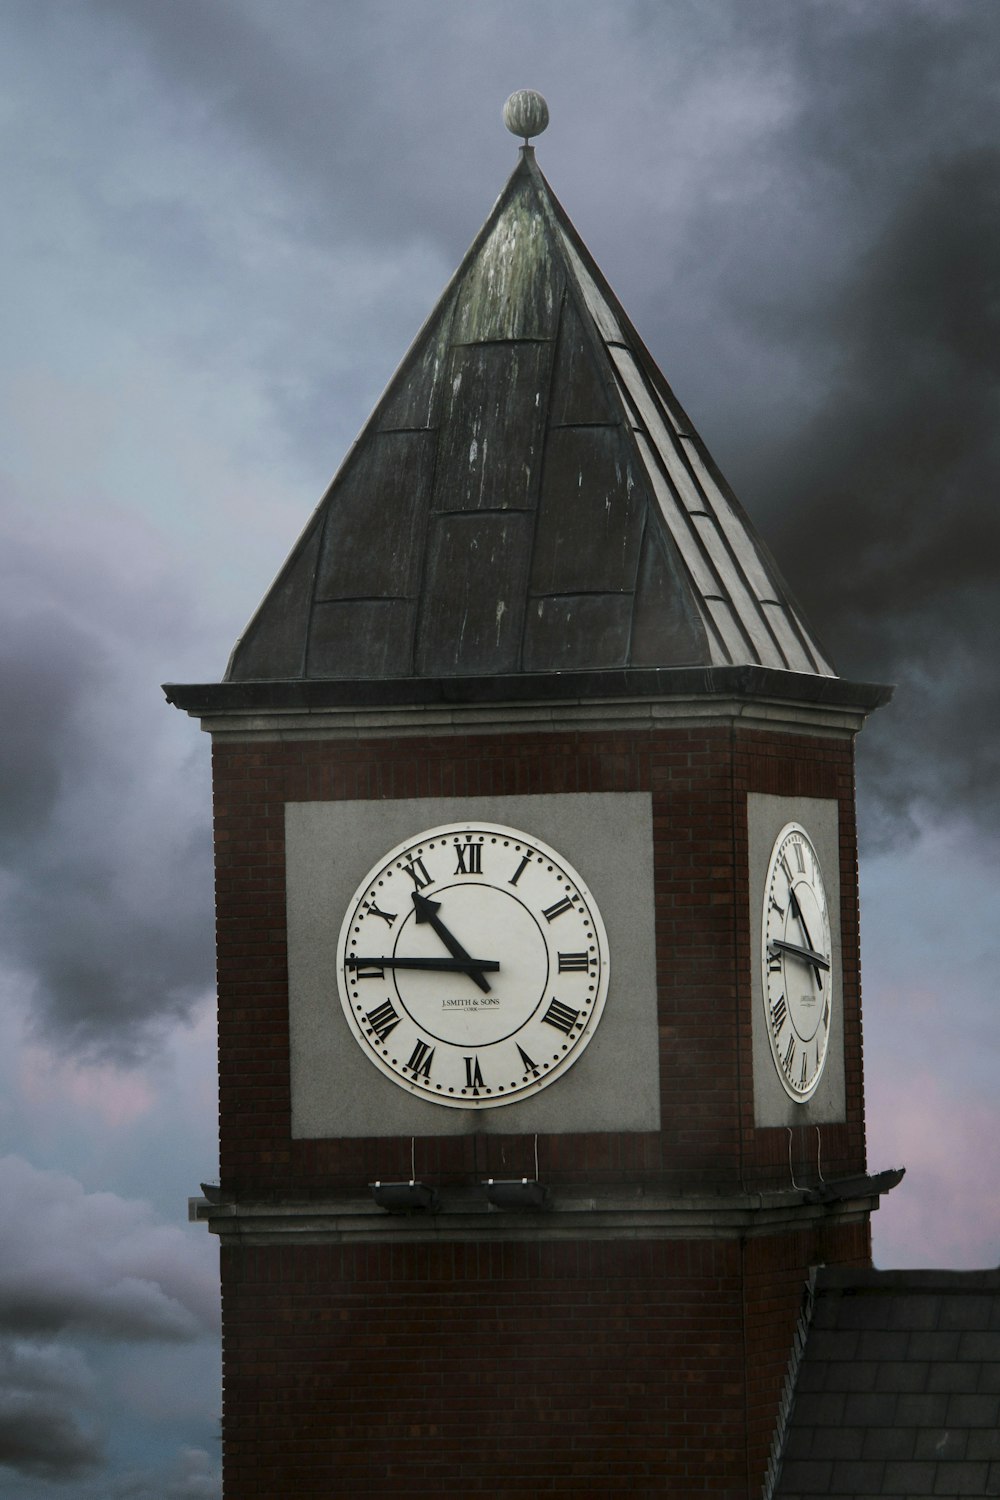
(799, 1065)
(561, 990)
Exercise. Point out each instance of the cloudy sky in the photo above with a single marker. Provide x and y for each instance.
(223, 222)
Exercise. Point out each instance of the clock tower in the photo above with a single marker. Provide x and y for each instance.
(537, 911)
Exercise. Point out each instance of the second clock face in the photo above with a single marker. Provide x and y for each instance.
(797, 962)
(472, 965)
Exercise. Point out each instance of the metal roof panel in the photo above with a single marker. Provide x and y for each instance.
(513, 287)
(565, 633)
(368, 547)
(492, 391)
(591, 514)
(475, 587)
(525, 498)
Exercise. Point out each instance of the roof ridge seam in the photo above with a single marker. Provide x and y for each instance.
(522, 638)
(800, 1334)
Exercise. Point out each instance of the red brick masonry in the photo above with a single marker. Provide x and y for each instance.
(466, 1369)
(601, 1367)
(699, 780)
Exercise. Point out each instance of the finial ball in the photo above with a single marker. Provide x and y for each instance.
(526, 113)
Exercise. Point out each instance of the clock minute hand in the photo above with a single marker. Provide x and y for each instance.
(810, 945)
(427, 911)
(447, 965)
(811, 957)
(797, 914)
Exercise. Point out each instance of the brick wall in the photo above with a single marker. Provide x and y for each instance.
(462, 1369)
(775, 1271)
(582, 1368)
(699, 780)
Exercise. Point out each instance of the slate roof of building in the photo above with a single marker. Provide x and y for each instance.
(897, 1391)
(527, 498)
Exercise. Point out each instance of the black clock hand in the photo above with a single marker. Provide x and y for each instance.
(447, 965)
(797, 914)
(427, 911)
(811, 957)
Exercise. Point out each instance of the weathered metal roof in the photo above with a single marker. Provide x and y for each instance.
(897, 1388)
(528, 497)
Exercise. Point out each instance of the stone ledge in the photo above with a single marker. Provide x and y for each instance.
(600, 699)
(463, 1217)
(593, 714)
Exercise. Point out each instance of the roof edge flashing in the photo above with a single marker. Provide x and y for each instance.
(636, 683)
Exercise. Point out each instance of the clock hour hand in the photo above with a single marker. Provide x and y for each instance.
(777, 945)
(447, 965)
(427, 911)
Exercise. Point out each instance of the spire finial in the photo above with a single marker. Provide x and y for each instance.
(526, 114)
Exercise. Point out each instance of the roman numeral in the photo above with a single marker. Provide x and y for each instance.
(530, 1067)
(805, 1065)
(551, 912)
(774, 962)
(473, 1074)
(779, 1013)
(800, 858)
(561, 1017)
(368, 971)
(573, 963)
(388, 917)
(772, 903)
(520, 870)
(826, 1015)
(470, 859)
(421, 1059)
(417, 871)
(382, 1019)
(786, 1061)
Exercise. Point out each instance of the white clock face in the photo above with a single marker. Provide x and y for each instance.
(472, 965)
(797, 962)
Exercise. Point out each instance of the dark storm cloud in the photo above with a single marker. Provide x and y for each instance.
(884, 505)
(903, 458)
(796, 202)
(106, 875)
(41, 1432)
(855, 273)
(862, 429)
(42, 677)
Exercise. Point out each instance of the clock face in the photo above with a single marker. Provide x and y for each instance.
(472, 965)
(796, 962)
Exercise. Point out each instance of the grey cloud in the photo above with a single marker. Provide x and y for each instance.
(333, 100)
(78, 1268)
(95, 1264)
(106, 861)
(104, 975)
(193, 1476)
(831, 324)
(43, 674)
(128, 1309)
(42, 1435)
(885, 504)
(838, 254)
(794, 201)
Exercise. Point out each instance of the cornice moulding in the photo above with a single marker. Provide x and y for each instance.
(569, 1217)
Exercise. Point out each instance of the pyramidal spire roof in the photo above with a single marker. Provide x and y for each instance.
(528, 497)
